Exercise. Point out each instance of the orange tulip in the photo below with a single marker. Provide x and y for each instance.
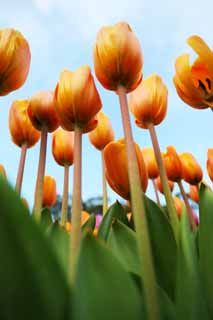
(49, 192)
(150, 162)
(118, 58)
(41, 111)
(116, 168)
(194, 82)
(178, 206)
(21, 128)
(172, 164)
(25, 202)
(209, 163)
(3, 171)
(103, 133)
(14, 60)
(193, 193)
(148, 102)
(191, 170)
(77, 99)
(63, 147)
(160, 187)
(84, 217)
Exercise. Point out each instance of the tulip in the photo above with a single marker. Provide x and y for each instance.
(2, 171)
(23, 134)
(84, 217)
(14, 60)
(100, 137)
(194, 82)
(178, 206)
(160, 186)
(49, 192)
(116, 168)
(191, 170)
(42, 113)
(209, 163)
(25, 202)
(193, 193)
(172, 164)
(63, 149)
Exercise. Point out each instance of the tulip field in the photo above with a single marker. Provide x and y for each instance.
(146, 259)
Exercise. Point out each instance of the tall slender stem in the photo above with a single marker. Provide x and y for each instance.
(75, 235)
(19, 178)
(164, 181)
(40, 176)
(104, 185)
(139, 214)
(156, 192)
(64, 206)
(188, 208)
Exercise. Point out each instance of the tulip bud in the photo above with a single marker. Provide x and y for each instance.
(63, 147)
(116, 168)
(193, 193)
(160, 187)
(25, 202)
(103, 133)
(3, 171)
(178, 206)
(172, 164)
(49, 192)
(41, 111)
(191, 170)
(21, 128)
(150, 162)
(14, 60)
(209, 164)
(77, 99)
(84, 217)
(148, 102)
(118, 58)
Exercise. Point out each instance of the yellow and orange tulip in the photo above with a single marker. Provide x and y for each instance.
(14, 60)
(49, 192)
(150, 162)
(193, 193)
(84, 217)
(160, 187)
(191, 170)
(172, 164)
(3, 171)
(178, 206)
(209, 163)
(63, 147)
(118, 57)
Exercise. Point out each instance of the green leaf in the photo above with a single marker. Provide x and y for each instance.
(164, 247)
(32, 284)
(89, 224)
(205, 239)
(116, 211)
(190, 301)
(104, 290)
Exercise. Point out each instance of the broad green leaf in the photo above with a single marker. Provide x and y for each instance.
(205, 239)
(104, 290)
(116, 211)
(32, 284)
(164, 246)
(90, 223)
(190, 301)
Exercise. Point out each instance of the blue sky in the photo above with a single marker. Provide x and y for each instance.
(61, 35)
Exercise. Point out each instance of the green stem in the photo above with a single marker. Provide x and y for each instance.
(165, 184)
(188, 207)
(104, 185)
(75, 235)
(156, 193)
(19, 178)
(40, 176)
(139, 214)
(64, 206)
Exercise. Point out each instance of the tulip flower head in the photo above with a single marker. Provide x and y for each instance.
(150, 162)
(193, 193)
(14, 60)
(160, 187)
(179, 205)
(172, 164)
(2, 171)
(194, 83)
(191, 170)
(41, 111)
(63, 147)
(77, 99)
(209, 163)
(103, 133)
(116, 168)
(49, 192)
(21, 129)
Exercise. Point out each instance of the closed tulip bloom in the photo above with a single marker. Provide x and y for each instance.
(179, 205)
(148, 102)
(160, 187)
(3, 171)
(84, 217)
(25, 202)
(118, 57)
(150, 162)
(49, 192)
(193, 193)
(209, 163)
(42, 112)
(21, 129)
(14, 60)
(172, 164)
(116, 168)
(191, 170)
(194, 82)
(103, 133)
(77, 99)
(63, 147)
